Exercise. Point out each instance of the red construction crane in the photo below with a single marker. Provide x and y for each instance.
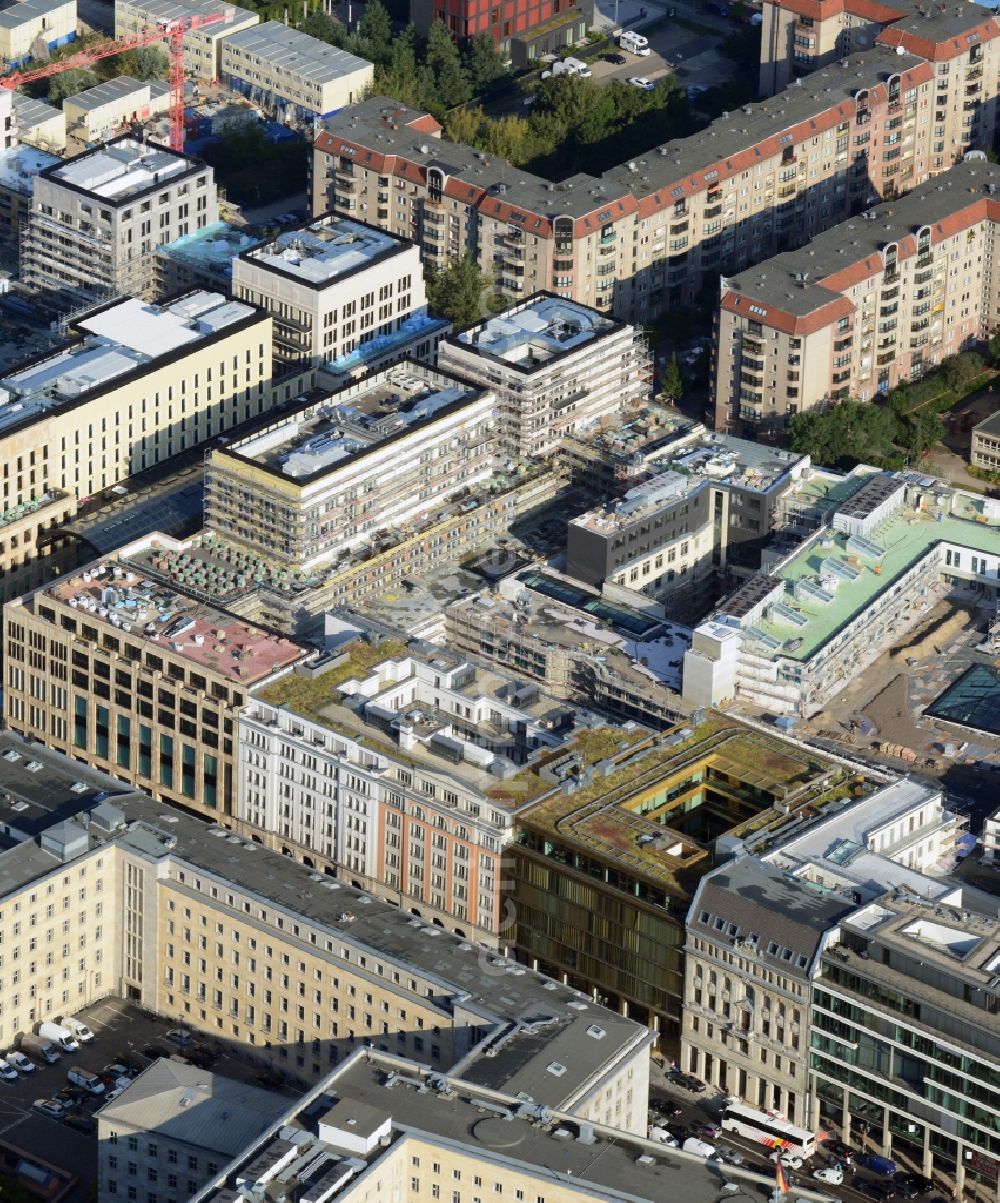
(172, 31)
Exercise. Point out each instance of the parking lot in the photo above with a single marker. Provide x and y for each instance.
(123, 1034)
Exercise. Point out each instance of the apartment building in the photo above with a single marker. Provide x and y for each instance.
(331, 286)
(991, 837)
(8, 128)
(799, 37)
(382, 1127)
(523, 33)
(905, 1048)
(173, 1129)
(704, 508)
(799, 632)
(875, 301)
(132, 389)
(237, 942)
(97, 219)
(101, 112)
(140, 681)
(325, 476)
(203, 259)
(29, 25)
(984, 452)
(754, 940)
(291, 73)
(386, 771)
(653, 232)
(202, 47)
(554, 367)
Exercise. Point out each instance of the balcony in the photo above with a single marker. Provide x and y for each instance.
(607, 239)
(886, 358)
(713, 211)
(786, 191)
(970, 106)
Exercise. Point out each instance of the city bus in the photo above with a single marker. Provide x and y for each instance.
(768, 1128)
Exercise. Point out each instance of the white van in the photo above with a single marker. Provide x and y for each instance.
(578, 67)
(634, 43)
(83, 1077)
(700, 1148)
(61, 1037)
(79, 1030)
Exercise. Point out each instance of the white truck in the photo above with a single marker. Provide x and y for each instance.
(42, 1050)
(61, 1037)
(83, 1077)
(79, 1030)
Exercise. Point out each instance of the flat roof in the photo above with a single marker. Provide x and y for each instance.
(29, 112)
(20, 164)
(326, 250)
(688, 465)
(989, 425)
(30, 10)
(504, 1134)
(214, 246)
(530, 336)
(108, 91)
(114, 594)
(834, 577)
(118, 339)
(120, 170)
(322, 437)
(173, 9)
(294, 53)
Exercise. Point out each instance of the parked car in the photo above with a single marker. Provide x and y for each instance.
(877, 1164)
(839, 1149)
(699, 1148)
(21, 1063)
(911, 1185)
(695, 90)
(690, 1082)
(663, 1137)
(640, 81)
(91, 1083)
(875, 1189)
(43, 1050)
(179, 1036)
(619, 60)
(50, 1107)
(706, 1129)
(791, 1160)
(152, 1051)
(81, 1123)
(729, 1155)
(7, 1072)
(832, 1175)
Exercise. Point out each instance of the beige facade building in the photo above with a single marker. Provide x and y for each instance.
(132, 390)
(97, 220)
(310, 485)
(141, 682)
(871, 303)
(555, 367)
(655, 231)
(241, 944)
(101, 112)
(331, 286)
(291, 73)
(31, 26)
(984, 452)
(202, 47)
(396, 1131)
(39, 124)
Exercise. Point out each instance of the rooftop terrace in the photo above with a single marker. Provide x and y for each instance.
(382, 1108)
(835, 577)
(20, 165)
(320, 437)
(123, 337)
(326, 250)
(114, 595)
(531, 336)
(122, 169)
(215, 246)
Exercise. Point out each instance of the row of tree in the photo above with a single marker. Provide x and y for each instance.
(148, 62)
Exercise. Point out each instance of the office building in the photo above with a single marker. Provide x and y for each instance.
(324, 477)
(141, 681)
(797, 38)
(331, 286)
(905, 1039)
(604, 868)
(554, 367)
(383, 1127)
(794, 635)
(202, 47)
(984, 452)
(388, 769)
(870, 303)
(523, 34)
(135, 890)
(97, 220)
(29, 29)
(705, 508)
(291, 73)
(132, 389)
(652, 232)
(100, 113)
(174, 1127)
(754, 939)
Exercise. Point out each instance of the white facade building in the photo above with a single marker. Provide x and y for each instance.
(555, 366)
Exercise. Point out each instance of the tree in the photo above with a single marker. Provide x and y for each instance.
(673, 384)
(326, 29)
(69, 83)
(148, 62)
(460, 292)
(443, 59)
(483, 63)
(375, 28)
(846, 435)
